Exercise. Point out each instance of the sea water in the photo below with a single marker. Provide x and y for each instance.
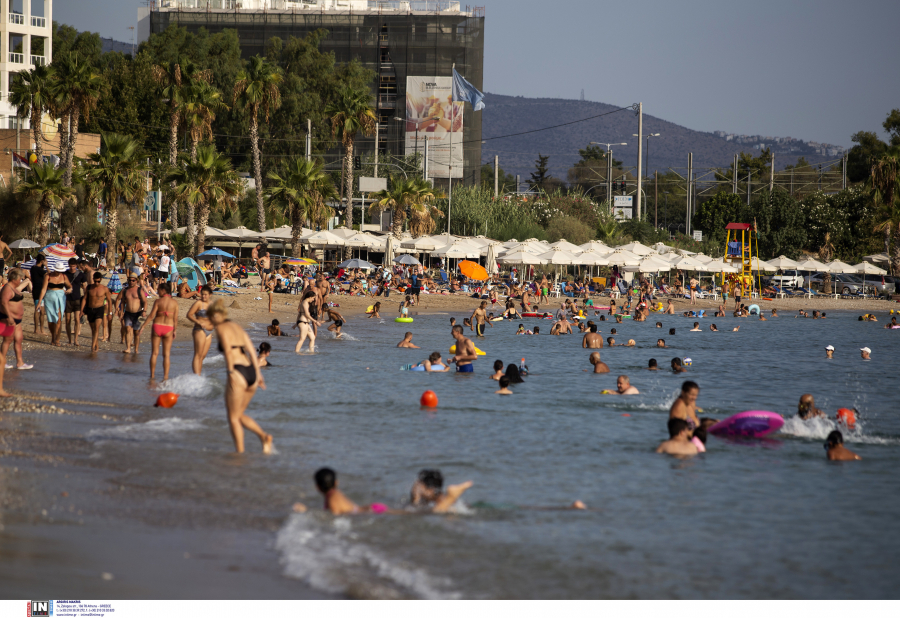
(752, 518)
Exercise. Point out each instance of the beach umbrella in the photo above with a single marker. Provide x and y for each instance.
(406, 259)
(56, 255)
(838, 266)
(650, 265)
(23, 243)
(591, 258)
(300, 262)
(422, 243)
(719, 266)
(760, 265)
(702, 258)
(389, 249)
(620, 257)
(877, 257)
(457, 250)
(343, 231)
(558, 257)
(811, 264)
(473, 270)
(215, 252)
(521, 257)
(782, 263)
(564, 245)
(242, 233)
(324, 240)
(356, 263)
(491, 259)
(864, 268)
(596, 246)
(636, 248)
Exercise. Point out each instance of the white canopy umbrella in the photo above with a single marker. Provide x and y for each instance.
(650, 265)
(457, 250)
(838, 266)
(811, 264)
(491, 259)
(782, 263)
(211, 232)
(619, 257)
(564, 245)
(558, 257)
(282, 233)
(877, 257)
(702, 258)
(865, 268)
(512, 242)
(324, 240)
(423, 243)
(243, 233)
(389, 250)
(596, 246)
(360, 241)
(521, 257)
(529, 246)
(23, 243)
(662, 248)
(343, 232)
(636, 248)
(686, 262)
(760, 265)
(592, 258)
(719, 266)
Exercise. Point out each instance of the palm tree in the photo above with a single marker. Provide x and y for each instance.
(206, 182)
(200, 103)
(300, 188)
(173, 78)
(76, 90)
(116, 174)
(45, 185)
(351, 113)
(409, 193)
(257, 87)
(885, 183)
(31, 93)
(422, 211)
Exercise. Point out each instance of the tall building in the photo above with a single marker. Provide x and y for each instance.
(26, 30)
(410, 45)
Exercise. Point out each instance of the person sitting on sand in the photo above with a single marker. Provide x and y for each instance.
(623, 387)
(504, 387)
(184, 290)
(339, 504)
(433, 364)
(807, 409)
(274, 330)
(652, 366)
(685, 405)
(407, 342)
(835, 449)
(599, 365)
(592, 340)
(679, 443)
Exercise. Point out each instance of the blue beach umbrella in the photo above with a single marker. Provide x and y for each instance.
(356, 263)
(215, 252)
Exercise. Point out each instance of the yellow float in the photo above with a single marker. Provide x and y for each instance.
(477, 351)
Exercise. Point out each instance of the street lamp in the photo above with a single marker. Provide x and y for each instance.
(609, 166)
(649, 135)
(418, 122)
(667, 210)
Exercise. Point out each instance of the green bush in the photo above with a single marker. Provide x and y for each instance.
(569, 228)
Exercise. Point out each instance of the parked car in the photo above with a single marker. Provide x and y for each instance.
(841, 283)
(787, 279)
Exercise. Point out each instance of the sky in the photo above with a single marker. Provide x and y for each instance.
(815, 70)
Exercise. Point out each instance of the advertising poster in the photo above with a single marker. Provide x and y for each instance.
(430, 109)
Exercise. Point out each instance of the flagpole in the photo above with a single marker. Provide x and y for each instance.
(450, 175)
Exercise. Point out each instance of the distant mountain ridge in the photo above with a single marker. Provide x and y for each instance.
(503, 115)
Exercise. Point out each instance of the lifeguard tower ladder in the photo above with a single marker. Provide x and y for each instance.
(740, 246)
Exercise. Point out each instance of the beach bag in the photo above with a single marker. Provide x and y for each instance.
(115, 284)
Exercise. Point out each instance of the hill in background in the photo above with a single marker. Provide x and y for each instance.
(504, 115)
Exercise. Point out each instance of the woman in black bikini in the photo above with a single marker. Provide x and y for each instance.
(11, 314)
(306, 317)
(202, 339)
(243, 376)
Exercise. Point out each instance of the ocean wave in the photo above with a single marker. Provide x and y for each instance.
(158, 429)
(214, 359)
(329, 556)
(192, 385)
(818, 429)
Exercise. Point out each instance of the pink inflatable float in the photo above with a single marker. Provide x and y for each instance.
(751, 424)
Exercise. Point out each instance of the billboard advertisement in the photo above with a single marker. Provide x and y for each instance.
(432, 116)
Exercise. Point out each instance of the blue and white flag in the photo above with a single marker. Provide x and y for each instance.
(464, 91)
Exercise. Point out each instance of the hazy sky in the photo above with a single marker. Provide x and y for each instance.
(816, 70)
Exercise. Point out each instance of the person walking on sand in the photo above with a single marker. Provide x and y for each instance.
(163, 319)
(201, 332)
(96, 304)
(53, 299)
(243, 376)
(131, 308)
(73, 300)
(307, 319)
(12, 311)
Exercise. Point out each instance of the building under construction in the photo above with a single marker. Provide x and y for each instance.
(401, 41)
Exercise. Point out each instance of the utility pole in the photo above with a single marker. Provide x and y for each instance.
(640, 156)
(690, 174)
(748, 187)
(655, 198)
(496, 175)
(844, 172)
(308, 139)
(517, 185)
(376, 153)
(425, 163)
(734, 176)
(772, 174)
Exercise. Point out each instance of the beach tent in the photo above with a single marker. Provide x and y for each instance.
(190, 270)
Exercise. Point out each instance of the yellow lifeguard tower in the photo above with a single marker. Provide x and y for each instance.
(740, 247)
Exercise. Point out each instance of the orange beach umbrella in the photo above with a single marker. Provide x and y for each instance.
(473, 270)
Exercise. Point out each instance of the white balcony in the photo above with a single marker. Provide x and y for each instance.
(16, 58)
(17, 18)
(38, 61)
(38, 22)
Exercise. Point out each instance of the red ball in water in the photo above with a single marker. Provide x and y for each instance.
(166, 400)
(847, 417)
(429, 399)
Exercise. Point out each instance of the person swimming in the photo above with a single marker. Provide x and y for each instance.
(652, 366)
(599, 365)
(807, 409)
(498, 370)
(835, 449)
(504, 387)
(677, 367)
(623, 387)
(433, 364)
(679, 443)
(685, 405)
